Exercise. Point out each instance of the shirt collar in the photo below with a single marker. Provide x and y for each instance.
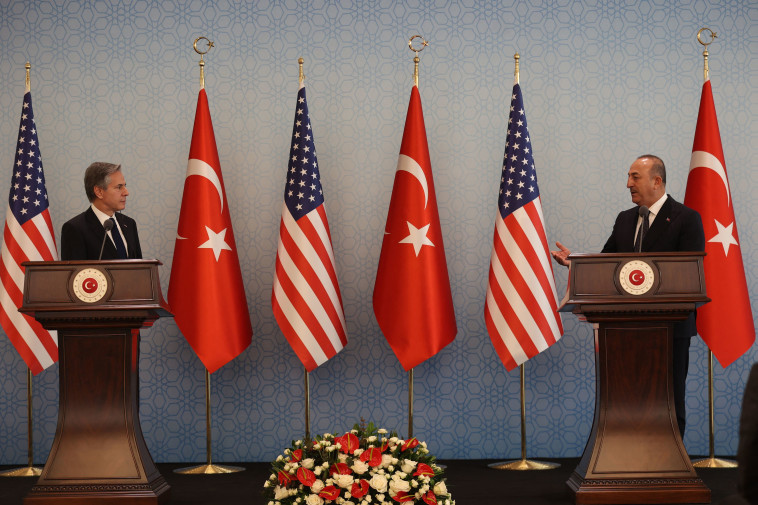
(101, 216)
(656, 207)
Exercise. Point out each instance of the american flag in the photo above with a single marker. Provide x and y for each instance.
(306, 296)
(521, 307)
(28, 236)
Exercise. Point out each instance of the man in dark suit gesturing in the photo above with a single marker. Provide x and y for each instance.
(82, 237)
(670, 227)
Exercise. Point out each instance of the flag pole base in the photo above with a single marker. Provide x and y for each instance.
(27, 471)
(209, 469)
(524, 464)
(714, 462)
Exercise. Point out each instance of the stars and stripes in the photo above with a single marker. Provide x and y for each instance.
(521, 306)
(28, 236)
(306, 296)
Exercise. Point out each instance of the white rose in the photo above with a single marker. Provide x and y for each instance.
(314, 499)
(408, 465)
(317, 486)
(359, 467)
(280, 493)
(372, 438)
(307, 463)
(343, 481)
(381, 431)
(357, 452)
(318, 470)
(379, 483)
(440, 488)
(342, 458)
(386, 460)
(399, 485)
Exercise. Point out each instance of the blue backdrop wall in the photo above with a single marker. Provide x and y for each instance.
(603, 81)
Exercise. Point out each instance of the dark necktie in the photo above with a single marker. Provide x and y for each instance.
(116, 235)
(643, 231)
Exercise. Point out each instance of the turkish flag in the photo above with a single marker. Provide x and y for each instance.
(205, 292)
(726, 323)
(412, 299)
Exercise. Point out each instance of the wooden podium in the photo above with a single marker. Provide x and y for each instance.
(635, 453)
(98, 455)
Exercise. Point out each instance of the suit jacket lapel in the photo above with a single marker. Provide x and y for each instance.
(659, 226)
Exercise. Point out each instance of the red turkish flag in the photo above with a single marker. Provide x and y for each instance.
(726, 323)
(205, 292)
(412, 299)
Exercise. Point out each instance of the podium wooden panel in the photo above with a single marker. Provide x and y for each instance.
(635, 453)
(99, 455)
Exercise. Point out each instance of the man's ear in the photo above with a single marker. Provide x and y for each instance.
(98, 191)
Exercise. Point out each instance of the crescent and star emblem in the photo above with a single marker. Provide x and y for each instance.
(636, 277)
(89, 285)
(216, 241)
(416, 236)
(724, 235)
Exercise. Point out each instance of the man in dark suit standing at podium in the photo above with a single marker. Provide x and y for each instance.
(667, 226)
(84, 236)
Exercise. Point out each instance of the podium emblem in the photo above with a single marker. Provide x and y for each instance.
(636, 277)
(90, 285)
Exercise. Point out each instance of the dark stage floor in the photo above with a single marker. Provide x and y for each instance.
(471, 482)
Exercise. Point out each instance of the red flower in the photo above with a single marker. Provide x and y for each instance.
(340, 469)
(409, 444)
(305, 476)
(430, 498)
(349, 443)
(372, 456)
(403, 497)
(296, 456)
(359, 488)
(285, 478)
(423, 469)
(329, 493)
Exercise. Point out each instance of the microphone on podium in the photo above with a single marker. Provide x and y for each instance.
(108, 226)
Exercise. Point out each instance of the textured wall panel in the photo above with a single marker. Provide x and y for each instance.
(603, 81)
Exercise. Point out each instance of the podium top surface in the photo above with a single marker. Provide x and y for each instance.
(672, 279)
(92, 286)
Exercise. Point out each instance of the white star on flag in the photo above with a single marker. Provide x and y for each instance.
(216, 242)
(724, 236)
(417, 237)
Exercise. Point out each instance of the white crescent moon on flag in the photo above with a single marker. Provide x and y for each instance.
(201, 168)
(707, 160)
(408, 164)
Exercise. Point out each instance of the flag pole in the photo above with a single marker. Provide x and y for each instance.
(208, 468)
(416, 60)
(301, 80)
(30, 470)
(523, 463)
(711, 461)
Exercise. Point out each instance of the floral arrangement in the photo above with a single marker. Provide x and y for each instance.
(364, 466)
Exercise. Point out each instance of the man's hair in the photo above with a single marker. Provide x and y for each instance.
(98, 175)
(658, 167)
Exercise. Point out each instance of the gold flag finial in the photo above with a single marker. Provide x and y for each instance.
(424, 43)
(28, 79)
(202, 62)
(515, 73)
(300, 62)
(713, 35)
